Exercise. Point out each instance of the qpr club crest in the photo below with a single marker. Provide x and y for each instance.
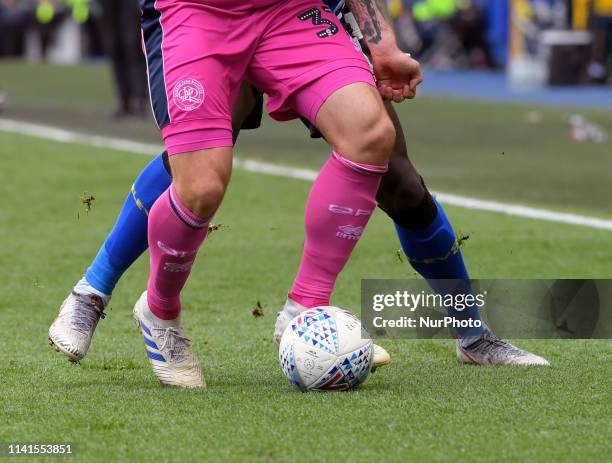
(188, 94)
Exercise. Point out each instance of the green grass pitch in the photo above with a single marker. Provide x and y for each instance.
(424, 407)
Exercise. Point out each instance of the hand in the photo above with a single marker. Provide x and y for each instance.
(398, 76)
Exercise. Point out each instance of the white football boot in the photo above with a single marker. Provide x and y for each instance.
(168, 349)
(71, 331)
(488, 349)
(292, 309)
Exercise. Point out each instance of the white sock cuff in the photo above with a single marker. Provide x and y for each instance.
(83, 287)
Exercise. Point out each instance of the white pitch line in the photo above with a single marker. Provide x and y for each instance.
(524, 211)
(517, 210)
(68, 136)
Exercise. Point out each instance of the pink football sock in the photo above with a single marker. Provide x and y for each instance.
(339, 207)
(175, 235)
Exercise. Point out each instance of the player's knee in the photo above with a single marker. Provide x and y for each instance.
(407, 202)
(383, 139)
(201, 177)
(202, 195)
(370, 141)
(400, 190)
(400, 197)
(354, 120)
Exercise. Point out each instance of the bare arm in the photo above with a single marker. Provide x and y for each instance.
(398, 74)
(375, 24)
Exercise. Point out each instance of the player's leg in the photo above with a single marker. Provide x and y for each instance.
(128, 239)
(72, 330)
(432, 248)
(179, 220)
(178, 225)
(337, 94)
(426, 235)
(80, 312)
(342, 198)
(194, 84)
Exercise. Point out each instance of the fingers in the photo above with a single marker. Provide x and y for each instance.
(389, 93)
(412, 86)
(398, 91)
(408, 92)
(412, 90)
(416, 80)
(386, 92)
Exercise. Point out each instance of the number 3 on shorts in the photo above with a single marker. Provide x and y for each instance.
(314, 14)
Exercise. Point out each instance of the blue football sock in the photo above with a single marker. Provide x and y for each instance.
(430, 252)
(128, 239)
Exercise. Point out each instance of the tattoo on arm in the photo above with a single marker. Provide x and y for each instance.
(368, 14)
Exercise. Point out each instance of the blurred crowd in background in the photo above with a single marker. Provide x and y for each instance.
(442, 34)
(70, 31)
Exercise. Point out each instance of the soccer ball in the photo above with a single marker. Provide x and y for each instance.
(325, 349)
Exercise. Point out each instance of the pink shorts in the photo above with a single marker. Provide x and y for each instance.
(199, 51)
